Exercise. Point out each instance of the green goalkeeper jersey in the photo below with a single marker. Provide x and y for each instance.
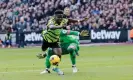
(67, 37)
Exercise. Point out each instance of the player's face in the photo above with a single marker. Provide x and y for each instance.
(59, 17)
(67, 12)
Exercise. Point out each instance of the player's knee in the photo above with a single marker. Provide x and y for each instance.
(57, 51)
(70, 49)
(73, 55)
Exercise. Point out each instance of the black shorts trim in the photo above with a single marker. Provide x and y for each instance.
(46, 45)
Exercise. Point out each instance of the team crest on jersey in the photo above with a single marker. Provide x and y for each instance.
(64, 32)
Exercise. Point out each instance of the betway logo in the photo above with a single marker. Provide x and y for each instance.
(33, 37)
(103, 34)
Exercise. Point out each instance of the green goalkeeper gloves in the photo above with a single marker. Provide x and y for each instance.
(41, 56)
(84, 33)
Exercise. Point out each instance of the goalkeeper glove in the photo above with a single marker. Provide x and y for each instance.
(84, 33)
(41, 56)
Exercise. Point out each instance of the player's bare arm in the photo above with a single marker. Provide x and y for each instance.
(55, 27)
(77, 20)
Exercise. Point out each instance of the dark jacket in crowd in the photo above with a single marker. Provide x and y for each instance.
(20, 27)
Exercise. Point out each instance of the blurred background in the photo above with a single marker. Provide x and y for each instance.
(22, 20)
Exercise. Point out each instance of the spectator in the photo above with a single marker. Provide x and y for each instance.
(114, 14)
(8, 40)
(20, 28)
(6, 24)
(1, 43)
(35, 24)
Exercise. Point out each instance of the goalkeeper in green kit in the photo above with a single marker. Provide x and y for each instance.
(69, 42)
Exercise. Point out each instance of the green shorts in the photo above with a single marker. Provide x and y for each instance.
(64, 48)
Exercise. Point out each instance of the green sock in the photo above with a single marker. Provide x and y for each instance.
(73, 57)
(47, 63)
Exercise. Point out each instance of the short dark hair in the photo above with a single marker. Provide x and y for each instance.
(58, 12)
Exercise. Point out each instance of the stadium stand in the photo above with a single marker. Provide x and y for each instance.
(103, 14)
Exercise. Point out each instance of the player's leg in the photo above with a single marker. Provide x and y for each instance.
(64, 52)
(69, 49)
(56, 48)
(57, 70)
(48, 54)
(56, 67)
(44, 46)
(57, 51)
(47, 64)
(73, 50)
(40, 56)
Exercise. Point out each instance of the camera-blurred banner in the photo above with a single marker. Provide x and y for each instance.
(33, 37)
(118, 35)
(94, 36)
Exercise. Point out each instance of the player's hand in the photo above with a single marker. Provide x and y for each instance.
(40, 56)
(84, 33)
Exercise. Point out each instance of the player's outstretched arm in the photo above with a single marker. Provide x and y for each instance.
(76, 33)
(77, 20)
(55, 27)
(69, 32)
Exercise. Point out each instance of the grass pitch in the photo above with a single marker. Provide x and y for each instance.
(94, 63)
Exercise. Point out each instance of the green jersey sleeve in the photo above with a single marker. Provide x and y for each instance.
(68, 36)
(69, 32)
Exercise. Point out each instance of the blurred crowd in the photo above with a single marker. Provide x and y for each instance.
(33, 14)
